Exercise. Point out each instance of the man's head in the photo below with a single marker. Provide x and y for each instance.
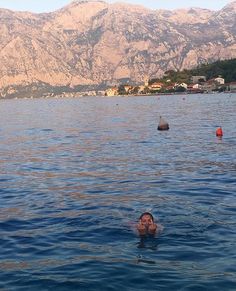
(146, 219)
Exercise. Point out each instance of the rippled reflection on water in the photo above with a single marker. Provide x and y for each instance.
(76, 174)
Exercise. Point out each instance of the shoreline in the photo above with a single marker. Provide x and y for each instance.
(76, 95)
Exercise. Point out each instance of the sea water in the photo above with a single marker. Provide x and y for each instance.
(75, 175)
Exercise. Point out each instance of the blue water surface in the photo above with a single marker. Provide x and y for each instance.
(75, 175)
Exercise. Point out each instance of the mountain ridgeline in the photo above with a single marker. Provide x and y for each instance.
(87, 44)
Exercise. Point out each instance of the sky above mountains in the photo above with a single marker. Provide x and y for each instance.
(51, 5)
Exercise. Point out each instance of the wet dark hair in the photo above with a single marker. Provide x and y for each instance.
(146, 213)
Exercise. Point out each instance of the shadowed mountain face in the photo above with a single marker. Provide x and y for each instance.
(89, 42)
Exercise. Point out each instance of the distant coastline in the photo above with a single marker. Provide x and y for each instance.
(218, 77)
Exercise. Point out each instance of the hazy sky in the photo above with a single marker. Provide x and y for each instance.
(51, 5)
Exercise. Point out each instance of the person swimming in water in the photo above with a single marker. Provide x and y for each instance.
(146, 224)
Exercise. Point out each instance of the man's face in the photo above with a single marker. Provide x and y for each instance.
(146, 220)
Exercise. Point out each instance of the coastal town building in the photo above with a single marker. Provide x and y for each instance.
(156, 86)
(128, 88)
(208, 86)
(194, 88)
(112, 91)
(170, 87)
(183, 85)
(197, 79)
(213, 84)
(146, 80)
(220, 80)
(141, 89)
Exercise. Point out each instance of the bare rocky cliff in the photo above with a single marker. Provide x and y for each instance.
(90, 42)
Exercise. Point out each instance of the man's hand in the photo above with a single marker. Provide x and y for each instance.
(141, 228)
(152, 228)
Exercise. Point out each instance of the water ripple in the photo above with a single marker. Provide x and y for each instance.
(76, 174)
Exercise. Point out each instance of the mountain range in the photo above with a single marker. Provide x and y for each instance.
(87, 43)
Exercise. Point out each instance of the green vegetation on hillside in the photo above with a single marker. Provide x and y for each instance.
(226, 69)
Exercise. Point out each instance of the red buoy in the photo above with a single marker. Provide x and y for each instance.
(219, 132)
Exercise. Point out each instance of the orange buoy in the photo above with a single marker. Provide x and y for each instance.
(219, 132)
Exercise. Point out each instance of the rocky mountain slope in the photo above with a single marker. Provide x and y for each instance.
(90, 42)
